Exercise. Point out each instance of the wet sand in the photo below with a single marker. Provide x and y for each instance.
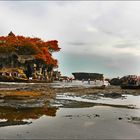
(62, 87)
(69, 111)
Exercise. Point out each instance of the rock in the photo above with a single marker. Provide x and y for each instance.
(135, 119)
(96, 115)
(115, 81)
(120, 118)
(113, 95)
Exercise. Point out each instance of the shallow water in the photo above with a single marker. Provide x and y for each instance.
(71, 116)
(125, 99)
(77, 83)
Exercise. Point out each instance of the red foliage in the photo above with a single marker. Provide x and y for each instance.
(46, 56)
(52, 45)
(30, 46)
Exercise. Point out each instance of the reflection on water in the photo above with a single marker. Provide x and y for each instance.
(71, 116)
(13, 116)
(17, 116)
(11, 123)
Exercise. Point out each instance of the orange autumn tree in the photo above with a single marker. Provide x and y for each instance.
(41, 50)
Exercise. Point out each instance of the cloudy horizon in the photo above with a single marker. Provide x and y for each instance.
(94, 36)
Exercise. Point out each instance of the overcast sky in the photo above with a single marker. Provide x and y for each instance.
(101, 36)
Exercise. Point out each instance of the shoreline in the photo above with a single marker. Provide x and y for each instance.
(46, 90)
(48, 87)
(49, 107)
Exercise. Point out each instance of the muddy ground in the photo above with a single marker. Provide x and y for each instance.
(49, 90)
(62, 110)
(37, 94)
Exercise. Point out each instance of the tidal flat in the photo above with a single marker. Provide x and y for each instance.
(62, 110)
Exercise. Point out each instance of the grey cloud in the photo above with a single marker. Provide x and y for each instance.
(77, 43)
(68, 22)
(119, 22)
(132, 43)
(86, 43)
(108, 22)
(26, 7)
(127, 45)
(114, 65)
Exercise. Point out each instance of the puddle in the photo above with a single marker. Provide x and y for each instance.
(76, 83)
(128, 101)
(72, 116)
(10, 116)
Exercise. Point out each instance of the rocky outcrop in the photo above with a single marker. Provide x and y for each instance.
(86, 76)
(115, 81)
